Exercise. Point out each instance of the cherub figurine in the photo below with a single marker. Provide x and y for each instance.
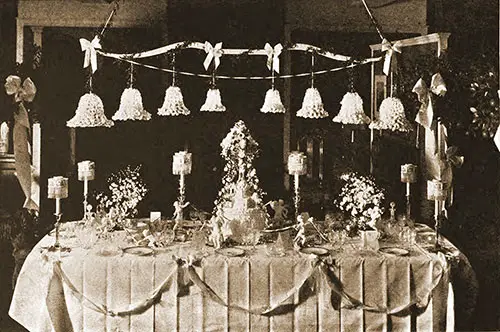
(178, 213)
(216, 236)
(280, 211)
(300, 238)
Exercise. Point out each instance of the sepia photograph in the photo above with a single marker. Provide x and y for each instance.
(249, 165)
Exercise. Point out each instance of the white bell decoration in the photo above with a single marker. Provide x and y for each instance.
(351, 110)
(131, 107)
(392, 116)
(312, 105)
(173, 104)
(272, 102)
(213, 103)
(90, 113)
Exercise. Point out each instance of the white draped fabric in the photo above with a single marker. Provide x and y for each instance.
(385, 290)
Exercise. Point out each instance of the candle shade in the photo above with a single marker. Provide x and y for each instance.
(182, 163)
(86, 170)
(57, 187)
(409, 173)
(4, 138)
(297, 163)
(436, 190)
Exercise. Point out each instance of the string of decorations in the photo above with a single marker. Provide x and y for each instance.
(90, 110)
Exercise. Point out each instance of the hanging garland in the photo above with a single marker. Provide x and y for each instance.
(93, 48)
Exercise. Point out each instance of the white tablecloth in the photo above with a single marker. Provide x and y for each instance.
(352, 290)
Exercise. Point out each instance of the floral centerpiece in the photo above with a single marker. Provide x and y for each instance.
(361, 202)
(239, 209)
(125, 190)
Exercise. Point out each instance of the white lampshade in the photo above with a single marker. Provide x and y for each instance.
(131, 107)
(174, 103)
(90, 113)
(272, 102)
(213, 103)
(392, 116)
(351, 110)
(312, 105)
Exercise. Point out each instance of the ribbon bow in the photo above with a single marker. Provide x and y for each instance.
(90, 52)
(426, 112)
(25, 92)
(273, 60)
(21, 132)
(389, 50)
(212, 53)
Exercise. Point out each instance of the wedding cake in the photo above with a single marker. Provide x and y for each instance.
(239, 203)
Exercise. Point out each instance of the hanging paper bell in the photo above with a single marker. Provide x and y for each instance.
(392, 116)
(174, 103)
(213, 103)
(351, 110)
(272, 102)
(90, 113)
(312, 105)
(131, 107)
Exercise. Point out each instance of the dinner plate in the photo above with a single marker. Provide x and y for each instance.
(232, 252)
(318, 251)
(394, 251)
(139, 251)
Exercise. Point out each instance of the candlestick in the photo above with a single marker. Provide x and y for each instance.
(297, 165)
(86, 172)
(436, 222)
(297, 195)
(57, 189)
(436, 191)
(408, 176)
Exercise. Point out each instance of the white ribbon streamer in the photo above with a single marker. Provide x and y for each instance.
(89, 47)
(389, 50)
(273, 60)
(213, 53)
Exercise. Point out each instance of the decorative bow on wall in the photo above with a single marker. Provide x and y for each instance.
(213, 53)
(89, 47)
(426, 113)
(273, 60)
(451, 159)
(21, 133)
(389, 50)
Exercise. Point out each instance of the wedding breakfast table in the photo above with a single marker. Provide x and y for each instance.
(183, 288)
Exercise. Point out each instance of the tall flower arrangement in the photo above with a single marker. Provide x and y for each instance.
(126, 190)
(361, 200)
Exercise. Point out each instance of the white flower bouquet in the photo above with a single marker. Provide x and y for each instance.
(361, 200)
(126, 190)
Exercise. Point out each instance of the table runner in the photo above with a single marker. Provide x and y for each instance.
(256, 281)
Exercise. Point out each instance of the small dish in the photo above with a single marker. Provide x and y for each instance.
(231, 252)
(107, 252)
(318, 251)
(395, 251)
(139, 251)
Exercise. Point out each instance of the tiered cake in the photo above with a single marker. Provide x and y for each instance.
(239, 204)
